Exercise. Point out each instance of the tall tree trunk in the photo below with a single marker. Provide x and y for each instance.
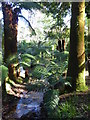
(10, 35)
(10, 30)
(76, 65)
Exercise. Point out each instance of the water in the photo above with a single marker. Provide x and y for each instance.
(22, 72)
(29, 102)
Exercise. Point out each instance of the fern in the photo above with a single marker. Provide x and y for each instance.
(24, 64)
(39, 71)
(51, 99)
(28, 56)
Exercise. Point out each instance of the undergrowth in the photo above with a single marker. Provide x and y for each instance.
(70, 108)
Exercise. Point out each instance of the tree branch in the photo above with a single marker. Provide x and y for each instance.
(33, 31)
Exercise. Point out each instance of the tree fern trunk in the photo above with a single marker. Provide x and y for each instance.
(76, 66)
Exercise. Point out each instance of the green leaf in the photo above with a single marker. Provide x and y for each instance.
(28, 55)
(52, 62)
(24, 64)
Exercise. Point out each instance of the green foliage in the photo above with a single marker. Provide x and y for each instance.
(12, 59)
(0, 58)
(37, 86)
(56, 7)
(27, 56)
(22, 47)
(4, 72)
(87, 49)
(58, 11)
(27, 60)
(24, 64)
(57, 66)
(89, 106)
(68, 110)
(29, 5)
(74, 107)
(51, 99)
(65, 109)
(87, 10)
(39, 72)
(50, 66)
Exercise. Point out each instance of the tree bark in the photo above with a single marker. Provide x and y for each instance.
(76, 64)
(10, 35)
(88, 16)
(59, 47)
(10, 30)
(63, 45)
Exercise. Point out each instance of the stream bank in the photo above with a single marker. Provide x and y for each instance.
(21, 103)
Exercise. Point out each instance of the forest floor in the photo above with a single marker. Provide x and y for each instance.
(10, 110)
(81, 100)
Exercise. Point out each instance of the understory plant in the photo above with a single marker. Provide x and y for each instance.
(69, 108)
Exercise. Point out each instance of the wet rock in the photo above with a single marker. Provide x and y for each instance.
(29, 105)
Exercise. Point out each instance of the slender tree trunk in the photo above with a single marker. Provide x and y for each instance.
(10, 30)
(59, 47)
(76, 65)
(63, 45)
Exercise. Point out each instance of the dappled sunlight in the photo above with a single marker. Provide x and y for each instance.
(44, 62)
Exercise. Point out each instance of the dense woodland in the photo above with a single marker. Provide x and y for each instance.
(45, 76)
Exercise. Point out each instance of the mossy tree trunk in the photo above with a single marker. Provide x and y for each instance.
(87, 10)
(76, 65)
(10, 32)
(88, 44)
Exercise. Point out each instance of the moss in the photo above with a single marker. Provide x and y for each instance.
(76, 65)
(19, 80)
(80, 81)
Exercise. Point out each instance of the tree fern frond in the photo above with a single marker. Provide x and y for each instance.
(28, 56)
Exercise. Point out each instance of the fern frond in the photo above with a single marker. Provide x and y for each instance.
(28, 56)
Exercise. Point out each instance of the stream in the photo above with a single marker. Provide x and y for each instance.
(29, 103)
